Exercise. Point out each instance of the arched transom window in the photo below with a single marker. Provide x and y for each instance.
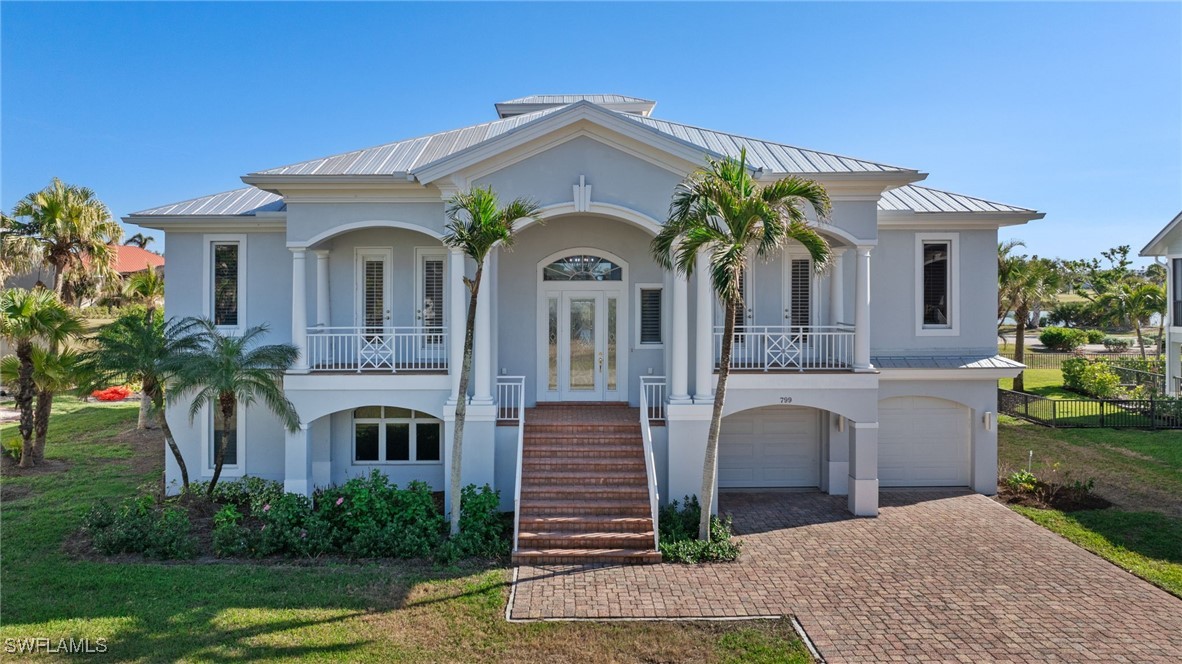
(582, 268)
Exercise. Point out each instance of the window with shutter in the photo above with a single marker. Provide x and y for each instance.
(225, 284)
(373, 294)
(935, 284)
(650, 316)
(801, 274)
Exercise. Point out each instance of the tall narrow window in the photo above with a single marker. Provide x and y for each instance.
(552, 343)
(650, 316)
(374, 293)
(230, 429)
(431, 306)
(936, 283)
(225, 284)
(801, 276)
(741, 305)
(1177, 291)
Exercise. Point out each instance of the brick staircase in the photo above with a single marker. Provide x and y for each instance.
(584, 489)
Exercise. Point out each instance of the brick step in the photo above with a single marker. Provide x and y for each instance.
(565, 539)
(637, 493)
(585, 556)
(592, 451)
(585, 523)
(575, 436)
(581, 477)
(544, 425)
(614, 507)
(541, 465)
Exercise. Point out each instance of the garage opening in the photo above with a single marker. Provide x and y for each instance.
(923, 441)
(770, 447)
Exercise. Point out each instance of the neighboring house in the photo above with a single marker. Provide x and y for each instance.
(129, 259)
(880, 372)
(1168, 245)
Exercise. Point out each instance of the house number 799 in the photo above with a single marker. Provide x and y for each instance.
(785, 399)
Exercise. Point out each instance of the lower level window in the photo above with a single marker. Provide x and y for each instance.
(384, 434)
(229, 428)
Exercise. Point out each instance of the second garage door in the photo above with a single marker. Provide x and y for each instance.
(922, 442)
(770, 447)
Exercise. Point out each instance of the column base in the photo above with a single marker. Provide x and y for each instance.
(299, 485)
(863, 497)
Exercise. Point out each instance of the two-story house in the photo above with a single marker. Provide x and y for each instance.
(1167, 245)
(880, 371)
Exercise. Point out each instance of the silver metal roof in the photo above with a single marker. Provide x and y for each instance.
(242, 202)
(925, 199)
(945, 362)
(570, 99)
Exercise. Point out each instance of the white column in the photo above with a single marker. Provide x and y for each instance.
(679, 349)
(299, 307)
(863, 482)
(297, 462)
(704, 333)
(457, 300)
(862, 312)
(322, 312)
(482, 343)
(837, 287)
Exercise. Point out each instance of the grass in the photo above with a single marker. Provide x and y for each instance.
(1043, 382)
(1140, 472)
(283, 611)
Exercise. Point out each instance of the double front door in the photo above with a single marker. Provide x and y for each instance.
(584, 331)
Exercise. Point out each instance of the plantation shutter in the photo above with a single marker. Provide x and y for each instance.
(741, 306)
(935, 283)
(373, 293)
(225, 284)
(801, 280)
(433, 292)
(650, 316)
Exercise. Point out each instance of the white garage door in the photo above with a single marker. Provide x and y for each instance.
(777, 446)
(922, 442)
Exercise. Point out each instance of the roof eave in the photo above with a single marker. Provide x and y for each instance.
(903, 218)
(1155, 246)
(166, 222)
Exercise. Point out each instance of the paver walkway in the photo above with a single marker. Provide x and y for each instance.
(936, 577)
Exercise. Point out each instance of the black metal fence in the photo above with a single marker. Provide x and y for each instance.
(1092, 413)
(1051, 360)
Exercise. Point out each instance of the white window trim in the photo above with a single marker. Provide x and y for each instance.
(954, 294)
(381, 422)
(421, 253)
(208, 241)
(207, 456)
(637, 344)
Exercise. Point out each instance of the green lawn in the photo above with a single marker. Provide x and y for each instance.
(283, 611)
(1043, 382)
(1140, 472)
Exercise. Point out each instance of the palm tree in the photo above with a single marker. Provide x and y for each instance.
(1022, 286)
(220, 371)
(29, 319)
(61, 224)
(140, 240)
(1006, 264)
(53, 372)
(1134, 302)
(15, 250)
(722, 210)
(147, 350)
(146, 287)
(478, 223)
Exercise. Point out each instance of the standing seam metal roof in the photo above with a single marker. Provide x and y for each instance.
(925, 199)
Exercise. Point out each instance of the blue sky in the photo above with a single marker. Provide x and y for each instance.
(1073, 109)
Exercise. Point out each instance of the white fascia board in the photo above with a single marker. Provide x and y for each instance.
(863, 185)
(905, 219)
(274, 221)
(582, 110)
(949, 374)
(1155, 248)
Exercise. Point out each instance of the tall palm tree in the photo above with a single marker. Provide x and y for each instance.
(140, 240)
(477, 224)
(145, 287)
(16, 251)
(1022, 286)
(1134, 302)
(29, 319)
(53, 372)
(1006, 264)
(221, 371)
(147, 350)
(61, 224)
(722, 210)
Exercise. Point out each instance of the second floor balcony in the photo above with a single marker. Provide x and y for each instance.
(377, 349)
(789, 348)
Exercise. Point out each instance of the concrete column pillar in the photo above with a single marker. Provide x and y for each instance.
(704, 333)
(297, 465)
(837, 287)
(299, 307)
(482, 342)
(457, 309)
(323, 317)
(679, 348)
(863, 481)
(862, 312)
(839, 455)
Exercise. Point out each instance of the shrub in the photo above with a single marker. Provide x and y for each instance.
(140, 525)
(1022, 480)
(679, 532)
(482, 530)
(369, 517)
(1062, 338)
(1095, 336)
(12, 447)
(1100, 381)
(230, 538)
(1074, 314)
(1116, 344)
(113, 393)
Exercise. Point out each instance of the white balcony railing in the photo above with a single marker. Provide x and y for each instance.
(789, 348)
(653, 388)
(390, 349)
(511, 406)
(650, 462)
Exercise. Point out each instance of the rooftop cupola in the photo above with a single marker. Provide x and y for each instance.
(621, 103)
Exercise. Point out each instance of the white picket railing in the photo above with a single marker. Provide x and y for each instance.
(653, 389)
(650, 463)
(511, 406)
(789, 348)
(377, 349)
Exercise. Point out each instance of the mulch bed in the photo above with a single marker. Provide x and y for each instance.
(1053, 497)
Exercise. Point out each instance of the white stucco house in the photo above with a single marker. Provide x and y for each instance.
(880, 372)
(1167, 246)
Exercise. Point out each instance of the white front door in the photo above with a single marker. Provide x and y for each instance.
(584, 332)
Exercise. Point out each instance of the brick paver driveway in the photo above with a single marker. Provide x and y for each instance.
(936, 577)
